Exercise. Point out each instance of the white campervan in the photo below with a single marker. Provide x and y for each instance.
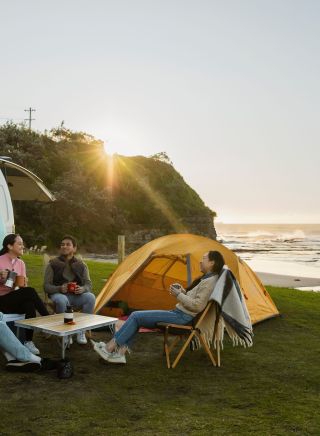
(17, 183)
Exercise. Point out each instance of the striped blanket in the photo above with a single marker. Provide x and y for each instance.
(229, 313)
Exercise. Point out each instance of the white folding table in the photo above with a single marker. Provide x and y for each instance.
(54, 325)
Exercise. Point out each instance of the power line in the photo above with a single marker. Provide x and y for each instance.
(30, 110)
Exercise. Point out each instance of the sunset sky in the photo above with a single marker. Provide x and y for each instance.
(229, 89)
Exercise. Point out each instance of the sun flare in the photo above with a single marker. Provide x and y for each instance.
(106, 147)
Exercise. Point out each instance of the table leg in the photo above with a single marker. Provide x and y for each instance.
(64, 346)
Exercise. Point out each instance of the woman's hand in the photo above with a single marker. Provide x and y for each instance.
(176, 289)
(3, 275)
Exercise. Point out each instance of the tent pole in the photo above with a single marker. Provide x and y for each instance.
(189, 274)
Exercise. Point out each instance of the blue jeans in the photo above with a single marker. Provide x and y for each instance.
(148, 319)
(85, 301)
(11, 344)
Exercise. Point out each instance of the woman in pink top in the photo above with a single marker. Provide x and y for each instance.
(13, 299)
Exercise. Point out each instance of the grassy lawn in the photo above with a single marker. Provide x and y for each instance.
(270, 389)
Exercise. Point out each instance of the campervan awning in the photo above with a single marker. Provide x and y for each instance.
(23, 184)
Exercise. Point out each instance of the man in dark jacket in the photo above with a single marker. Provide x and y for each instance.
(67, 281)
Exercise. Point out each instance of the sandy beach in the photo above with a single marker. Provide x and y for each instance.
(287, 281)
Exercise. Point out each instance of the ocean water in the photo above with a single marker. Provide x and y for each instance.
(289, 249)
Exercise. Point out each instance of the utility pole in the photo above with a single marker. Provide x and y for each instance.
(30, 110)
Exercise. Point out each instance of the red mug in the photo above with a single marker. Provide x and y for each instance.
(72, 287)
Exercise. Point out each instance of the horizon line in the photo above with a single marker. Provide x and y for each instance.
(268, 223)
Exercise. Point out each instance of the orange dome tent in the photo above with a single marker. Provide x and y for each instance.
(142, 280)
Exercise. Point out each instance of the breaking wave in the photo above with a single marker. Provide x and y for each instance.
(260, 235)
(300, 247)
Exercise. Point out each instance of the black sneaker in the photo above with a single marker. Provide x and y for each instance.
(18, 366)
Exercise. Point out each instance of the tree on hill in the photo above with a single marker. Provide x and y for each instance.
(99, 196)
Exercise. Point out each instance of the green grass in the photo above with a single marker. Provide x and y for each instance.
(271, 389)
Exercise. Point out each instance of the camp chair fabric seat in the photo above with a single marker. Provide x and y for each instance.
(191, 330)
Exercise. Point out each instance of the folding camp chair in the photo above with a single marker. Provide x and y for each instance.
(191, 331)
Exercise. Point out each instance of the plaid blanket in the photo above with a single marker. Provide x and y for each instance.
(229, 313)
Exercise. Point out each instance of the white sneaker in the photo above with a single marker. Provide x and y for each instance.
(35, 359)
(31, 347)
(100, 348)
(81, 338)
(97, 344)
(8, 356)
(116, 358)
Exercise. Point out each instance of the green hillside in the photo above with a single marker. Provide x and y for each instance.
(100, 196)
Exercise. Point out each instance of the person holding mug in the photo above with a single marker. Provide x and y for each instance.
(67, 281)
(190, 302)
(15, 295)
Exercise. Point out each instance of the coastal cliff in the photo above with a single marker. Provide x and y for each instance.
(100, 196)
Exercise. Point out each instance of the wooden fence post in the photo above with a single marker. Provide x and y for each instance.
(121, 248)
